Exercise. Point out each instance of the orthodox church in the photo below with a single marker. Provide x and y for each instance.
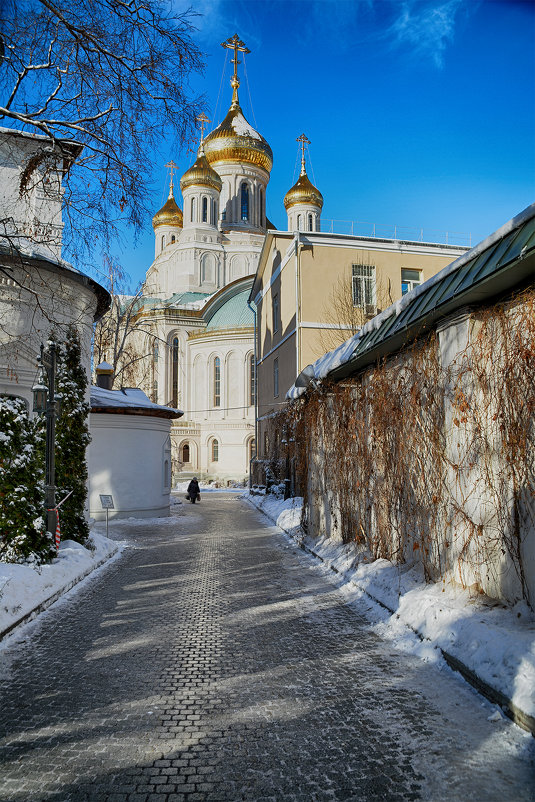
(198, 329)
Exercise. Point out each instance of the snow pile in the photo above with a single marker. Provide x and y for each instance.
(242, 127)
(496, 643)
(25, 587)
(208, 487)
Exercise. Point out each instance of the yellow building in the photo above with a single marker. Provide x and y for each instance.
(313, 290)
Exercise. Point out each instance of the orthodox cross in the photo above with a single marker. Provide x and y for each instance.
(171, 166)
(236, 44)
(304, 141)
(202, 119)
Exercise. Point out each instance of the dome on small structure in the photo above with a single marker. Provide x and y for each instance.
(201, 174)
(169, 214)
(303, 192)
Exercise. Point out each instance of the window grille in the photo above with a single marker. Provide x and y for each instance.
(215, 451)
(364, 287)
(217, 382)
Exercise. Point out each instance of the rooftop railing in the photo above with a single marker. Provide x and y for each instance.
(359, 228)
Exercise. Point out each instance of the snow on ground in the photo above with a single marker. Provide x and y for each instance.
(207, 487)
(25, 587)
(495, 642)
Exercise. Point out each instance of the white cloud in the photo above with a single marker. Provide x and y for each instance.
(428, 27)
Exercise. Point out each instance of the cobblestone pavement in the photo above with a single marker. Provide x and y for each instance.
(212, 662)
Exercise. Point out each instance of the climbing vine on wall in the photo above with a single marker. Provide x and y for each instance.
(415, 459)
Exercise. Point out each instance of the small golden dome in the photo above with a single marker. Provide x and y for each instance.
(237, 141)
(169, 214)
(201, 174)
(303, 192)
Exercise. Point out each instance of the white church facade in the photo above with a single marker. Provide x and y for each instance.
(194, 323)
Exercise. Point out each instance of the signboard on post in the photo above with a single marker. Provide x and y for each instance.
(107, 504)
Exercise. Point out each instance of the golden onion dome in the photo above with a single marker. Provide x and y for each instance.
(235, 140)
(169, 214)
(303, 192)
(201, 174)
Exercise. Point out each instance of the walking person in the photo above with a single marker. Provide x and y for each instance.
(194, 494)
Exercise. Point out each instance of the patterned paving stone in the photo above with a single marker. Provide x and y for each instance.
(213, 663)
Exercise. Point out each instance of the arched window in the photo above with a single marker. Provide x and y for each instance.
(215, 451)
(163, 241)
(310, 222)
(252, 380)
(185, 452)
(193, 210)
(299, 222)
(244, 201)
(260, 207)
(205, 209)
(252, 449)
(172, 238)
(217, 382)
(174, 372)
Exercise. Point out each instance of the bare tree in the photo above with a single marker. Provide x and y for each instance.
(110, 75)
(116, 337)
(345, 315)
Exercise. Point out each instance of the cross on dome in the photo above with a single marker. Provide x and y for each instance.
(304, 141)
(236, 44)
(203, 120)
(171, 166)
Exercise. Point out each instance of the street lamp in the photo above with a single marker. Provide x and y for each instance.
(44, 400)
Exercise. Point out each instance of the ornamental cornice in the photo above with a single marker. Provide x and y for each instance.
(216, 334)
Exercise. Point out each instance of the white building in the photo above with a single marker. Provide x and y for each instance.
(129, 457)
(39, 292)
(197, 325)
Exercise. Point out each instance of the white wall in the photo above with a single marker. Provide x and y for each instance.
(126, 460)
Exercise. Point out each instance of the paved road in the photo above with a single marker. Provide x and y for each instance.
(212, 662)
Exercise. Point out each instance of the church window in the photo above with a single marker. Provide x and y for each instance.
(310, 222)
(193, 210)
(252, 380)
(173, 238)
(215, 451)
(217, 382)
(276, 377)
(163, 242)
(252, 449)
(174, 373)
(299, 222)
(244, 201)
(205, 210)
(266, 444)
(260, 207)
(363, 287)
(185, 452)
(155, 351)
(276, 313)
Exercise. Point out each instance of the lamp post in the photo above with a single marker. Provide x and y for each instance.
(44, 400)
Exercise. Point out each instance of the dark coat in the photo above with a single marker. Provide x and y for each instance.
(193, 488)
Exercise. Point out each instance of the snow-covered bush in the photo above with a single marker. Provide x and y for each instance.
(22, 525)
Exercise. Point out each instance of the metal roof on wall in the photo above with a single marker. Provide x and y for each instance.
(496, 266)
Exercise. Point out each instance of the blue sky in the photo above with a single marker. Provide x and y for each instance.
(421, 113)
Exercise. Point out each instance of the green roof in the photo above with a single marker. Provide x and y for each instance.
(233, 314)
(498, 265)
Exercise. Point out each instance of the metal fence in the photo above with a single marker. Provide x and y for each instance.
(359, 228)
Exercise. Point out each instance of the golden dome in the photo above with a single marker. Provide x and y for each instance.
(237, 141)
(201, 174)
(303, 192)
(169, 214)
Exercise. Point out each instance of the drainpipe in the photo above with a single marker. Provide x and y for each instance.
(297, 241)
(253, 310)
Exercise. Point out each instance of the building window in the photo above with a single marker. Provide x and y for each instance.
(155, 351)
(214, 213)
(252, 381)
(276, 377)
(299, 222)
(364, 287)
(172, 238)
(260, 207)
(266, 444)
(155, 391)
(205, 210)
(174, 373)
(185, 453)
(215, 451)
(244, 201)
(276, 312)
(163, 242)
(193, 210)
(252, 449)
(310, 222)
(217, 382)
(410, 279)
